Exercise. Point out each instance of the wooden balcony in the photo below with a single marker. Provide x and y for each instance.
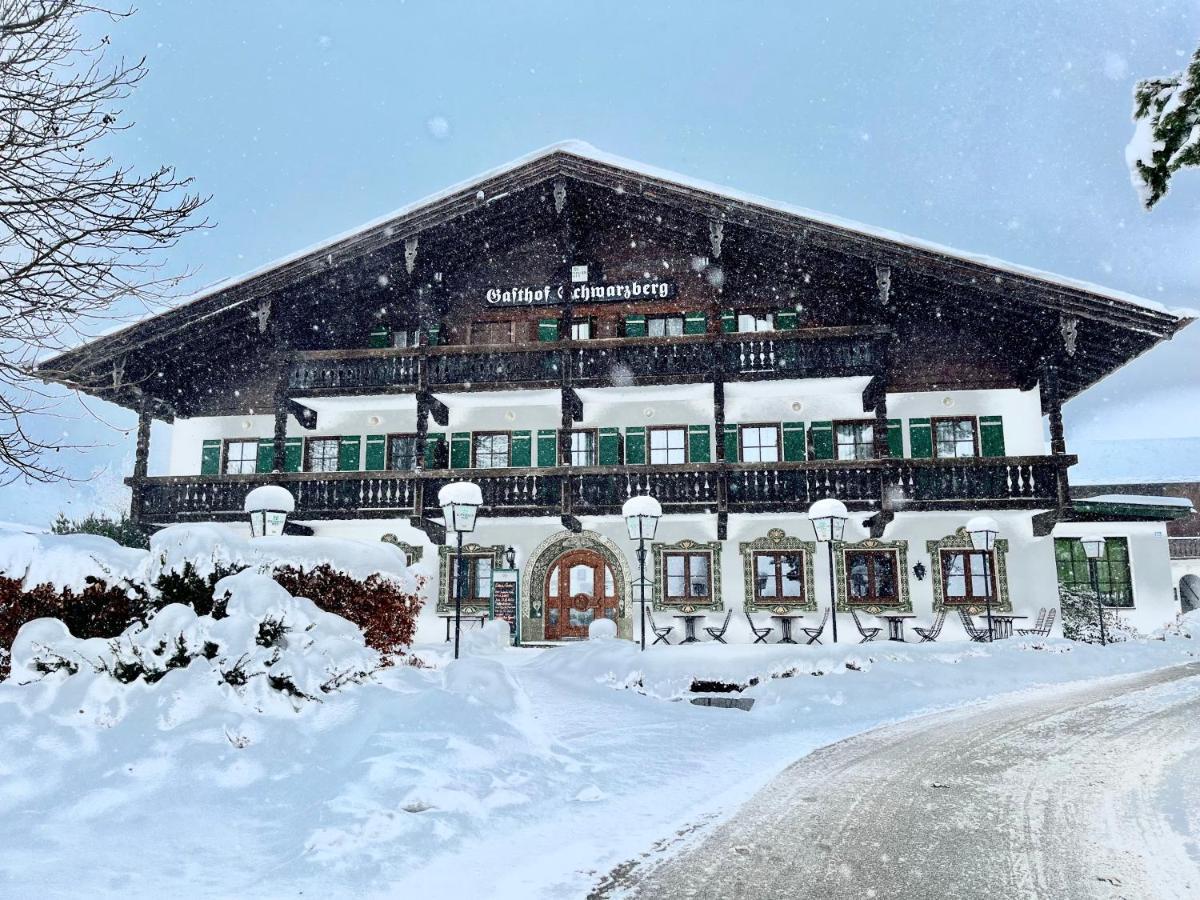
(993, 483)
(806, 353)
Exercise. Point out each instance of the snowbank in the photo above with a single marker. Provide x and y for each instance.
(67, 560)
(212, 547)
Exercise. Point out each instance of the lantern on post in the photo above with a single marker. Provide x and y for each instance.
(268, 508)
(460, 502)
(1093, 547)
(641, 518)
(828, 519)
(983, 531)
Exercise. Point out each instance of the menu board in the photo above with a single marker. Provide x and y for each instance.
(504, 598)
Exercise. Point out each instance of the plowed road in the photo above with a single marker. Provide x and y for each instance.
(1083, 791)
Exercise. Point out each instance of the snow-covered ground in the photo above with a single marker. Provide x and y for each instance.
(510, 773)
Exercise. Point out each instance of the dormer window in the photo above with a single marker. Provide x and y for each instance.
(664, 326)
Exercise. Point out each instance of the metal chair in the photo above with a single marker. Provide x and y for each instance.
(760, 634)
(974, 632)
(1045, 622)
(868, 634)
(931, 632)
(718, 634)
(660, 631)
(814, 634)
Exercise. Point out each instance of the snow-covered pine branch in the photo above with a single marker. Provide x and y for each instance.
(1166, 137)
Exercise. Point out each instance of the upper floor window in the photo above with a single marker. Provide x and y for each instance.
(241, 457)
(322, 454)
(583, 448)
(492, 450)
(760, 443)
(954, 438)
(871, 577)
(402, 337)
(755, 321)
(854, 440)
(686, 577)
(967, 576)
(664, 326)
(778, 575)
(581, 330)
(668, 446)
(402, 452)
(491, 332)
(1112, 569)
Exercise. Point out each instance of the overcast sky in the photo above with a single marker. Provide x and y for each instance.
(994, 127)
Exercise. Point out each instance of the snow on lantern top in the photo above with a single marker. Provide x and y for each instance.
(460, 492)
(270, 497)
(641, 506)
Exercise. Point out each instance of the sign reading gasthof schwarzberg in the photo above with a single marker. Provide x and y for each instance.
(552, 294)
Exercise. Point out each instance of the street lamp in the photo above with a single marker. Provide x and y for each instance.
(1094, 548)
(983, 531)
(268, 508)
(460, 502)
(828, 519)
(641, 518)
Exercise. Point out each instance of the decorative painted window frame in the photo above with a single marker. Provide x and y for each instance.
(713, 549)
(445, 554)
(411, 552)
(960, 540)
(900, 548)
(776, 540)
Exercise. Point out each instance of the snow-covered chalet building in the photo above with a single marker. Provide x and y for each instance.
(573, 329)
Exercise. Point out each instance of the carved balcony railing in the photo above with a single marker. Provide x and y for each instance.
(807, 353)
(908, 484)
(1184, 547)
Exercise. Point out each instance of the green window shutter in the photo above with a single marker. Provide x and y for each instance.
(793, 442)
(610, 446)
(460, 450)
(521, 451)
(434, 332)
(731, 443)
(547, 448)
(895, 439)
(376, 453)
(822, 440)
(699, 444)
(548, 330)
(695, 323)
(348, 448)
(728, 321)
(635, 326)
(293, 454)
(380, 337)
(433, 451)
(991, 436)
(266, 456)
(210, 458)
(785, 320)
(920, 438)
(635, 445)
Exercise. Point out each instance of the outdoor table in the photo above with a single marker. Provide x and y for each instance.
(1002, 625)
(450, 620)
(689, 627)
(895, 621)
(785, 625)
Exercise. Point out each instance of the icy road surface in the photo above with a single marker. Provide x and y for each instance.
(1086, 791)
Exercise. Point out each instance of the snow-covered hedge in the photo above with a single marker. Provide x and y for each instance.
(268, 643)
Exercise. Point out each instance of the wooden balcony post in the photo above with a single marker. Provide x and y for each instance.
(279, 439)
(718, 384)
(141, 461)
(1052, 406)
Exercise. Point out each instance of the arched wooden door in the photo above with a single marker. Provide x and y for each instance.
(579, 589)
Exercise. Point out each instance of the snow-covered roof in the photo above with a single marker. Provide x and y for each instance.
(587, 152)
(1138, 500)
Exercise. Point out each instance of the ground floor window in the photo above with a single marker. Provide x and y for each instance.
(241, 457)
(967, 576)
(478, 587)
(1112, 569)
(778, 575)
(686, 578)
(871, 577)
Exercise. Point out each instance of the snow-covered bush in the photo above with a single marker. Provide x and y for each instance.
(1186, 625)
(269, 643)
(1080, 621)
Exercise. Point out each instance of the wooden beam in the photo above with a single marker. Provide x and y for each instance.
(572, 524)
(878, 522)
(437, 409)
(306, 416)
(1044, 522)
(435, 530)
